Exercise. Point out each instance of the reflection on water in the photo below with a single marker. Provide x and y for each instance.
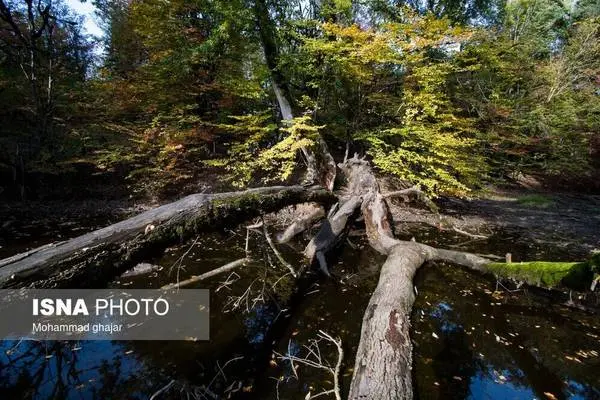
(473, 343)
(71, 370)
(494, 384)
(470, 341)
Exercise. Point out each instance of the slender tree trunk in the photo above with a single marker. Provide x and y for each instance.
(284, 105)
(320, 165)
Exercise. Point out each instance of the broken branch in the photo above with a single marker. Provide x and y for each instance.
(225, 268)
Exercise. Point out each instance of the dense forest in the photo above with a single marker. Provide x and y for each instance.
(375, 136)
(448, 95)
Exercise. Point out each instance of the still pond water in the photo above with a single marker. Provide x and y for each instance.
(472, 339)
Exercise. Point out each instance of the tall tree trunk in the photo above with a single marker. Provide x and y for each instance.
(320, 165)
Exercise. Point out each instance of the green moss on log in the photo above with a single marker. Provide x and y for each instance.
(95, 266)
(574, 275)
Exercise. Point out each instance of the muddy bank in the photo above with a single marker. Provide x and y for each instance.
(29, 224)
(567, 223)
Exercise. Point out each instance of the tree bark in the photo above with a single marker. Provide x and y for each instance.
(331, 232)
(305, 218)
(320, 165)
(98, 256)
(384, 356)
(383, 361)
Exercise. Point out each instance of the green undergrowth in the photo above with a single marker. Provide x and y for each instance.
(535, 200)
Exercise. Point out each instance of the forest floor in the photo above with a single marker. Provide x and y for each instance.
(565, 221)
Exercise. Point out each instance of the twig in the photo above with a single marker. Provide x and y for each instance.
(291, 360)
(221, 370)
(209, 274)
(236, 301)
(180, 259)
(256, 225)
(338, 365)
(324, 393)
(471, 235)
(314, 360)
(277, 253)
(247, 242)
(162, 390)
(278, 280)
(231, 278)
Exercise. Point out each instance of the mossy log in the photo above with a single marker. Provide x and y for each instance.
(572, 275)
(96, 257)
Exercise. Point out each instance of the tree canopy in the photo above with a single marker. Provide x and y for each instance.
(448, 94)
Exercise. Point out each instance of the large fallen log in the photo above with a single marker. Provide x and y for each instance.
(96, 257)
(384, 356)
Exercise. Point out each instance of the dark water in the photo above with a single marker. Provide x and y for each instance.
(471, 340)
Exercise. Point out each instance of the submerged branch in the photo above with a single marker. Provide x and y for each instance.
(217, 271)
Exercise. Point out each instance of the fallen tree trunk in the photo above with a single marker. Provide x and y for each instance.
(96, 257)
(384, 356)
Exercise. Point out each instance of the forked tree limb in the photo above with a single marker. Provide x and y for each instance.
(384, 356)
(302, 223)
